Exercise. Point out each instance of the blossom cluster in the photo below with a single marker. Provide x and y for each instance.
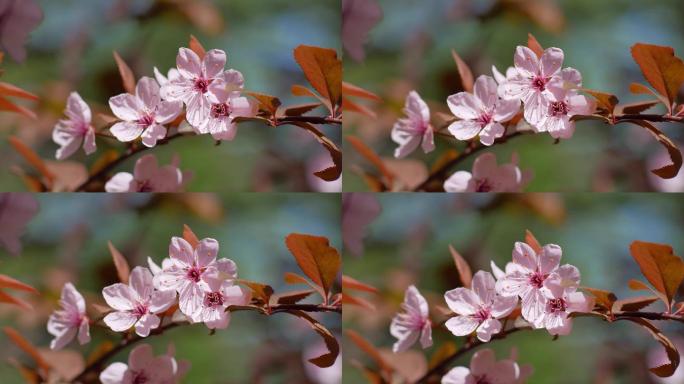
(484, 368)
(144, 367)
(534, 281)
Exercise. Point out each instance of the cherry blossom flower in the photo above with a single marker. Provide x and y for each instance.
(192, 86)
(501, 78)
(413, 324)
(17, 19)
(478, 309)
(190, 269)
(534, 80)
(481, 113)
(487, 176)
(172, 74)
(65, 323)
(484, 368)
(565, 103)
(76, 130)
(557, 309)
(414, 129)
(16, 210)
(226, 105)
(358, 211)
(358, 18)
(144, 114)
(144, 367)
(535, 277)
(219, 295)
(148, 176)
(137, 303)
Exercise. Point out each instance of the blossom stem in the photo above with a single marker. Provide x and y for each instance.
(307, 119)
(649, 117)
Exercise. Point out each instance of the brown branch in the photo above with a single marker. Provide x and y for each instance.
(284, 120)
(649, 117)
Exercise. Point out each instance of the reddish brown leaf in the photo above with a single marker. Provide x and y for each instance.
(323, 70)
(127, 77)
(604, 299)
(331, 173)
(300, 109)
(316, 258)
(267, 103)
(661, 68)
(533, 44)
(464, 272)
(12, 283)
(664, 370)
(637, 107)
(294, 297)
(8, 89)
(671, 170)
(196, 47)
(27, 347)
(348, 299)
(351, 283)
(634, 303)
(5, 298)
(365, 346)
(32, 158)
(6, 105)
(464, 72)
(349, 89)
(532, 241)
(605, 102)
(122, 268)
(328, 359)
(663, 269)
(189, 236)
(350, 106)
(372, 157)
(260, 290)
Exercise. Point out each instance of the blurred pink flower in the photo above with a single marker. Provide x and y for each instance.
(137, 303)
(143, 113)
(17, 19)
(149, 177)
(358, 211)
(226, 105)
(487, 176)
(192, 86)
(358, 18)
(481, 112)
(413, 323)
(218, 296)
(144, 367)
(70, 320)
(485, 369)
(189, 271)
(534, 80)
(70, 134)
(415, 128)
(16, 210)
(478, 309)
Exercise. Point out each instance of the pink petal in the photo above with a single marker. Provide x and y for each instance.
(126, 106)
(162, 300)
(218, 319)
(462, 301)
(415, 106)
(465, 129)
(77, 110)
(72, 297)
(141, 358)
(551, 61)
(126, 131)
(206, 252)
(84, 332)
(549, 258)
(152, 134)
(213, 63)
(120, 321)
(458, 375)
(226, 131)
(227, 267)
(89, 146)
(119, 297)
(488, 328)
(503, 306)
(462, 325)
(536, 107)
(121, 182)
(147, 91)
(485, 89)
(428, 140)
(198, 108)
(145, 167)
(405, 341)
(191, 296)
(464, 106)
(414, 299)
(182, 251)
(19, 19)
(506, 110)
(572, 76)
(242, 106)
(171, 278)
(178, 89)
(525, 256)
(526, 61)
(458, 182)
(168, 111)
(491, 132)
(515, 88)
(485, 166)
(167, 179)
(533, 305)
(426, 335)
(188, 63)
(580, 105)
(496, 271)
(114, 373)
(512, 285)
(69, 147)
(140, 282)
(146, 323)
(62, 339)
(407, 140)
(483, 285)
(483, 362)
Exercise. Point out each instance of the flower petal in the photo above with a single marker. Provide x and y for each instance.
(465, 129)
(464, 106)
(188, 63)
(126, 131)
(551, 61)
(462, 325)
(485, 89)
(167, 111)
(525, 61)
(121, 182)
(152, 134)
(114, 373)
(147, 91)
(488, 328)
(120, 321)
(458, 182)
(119, 297)
(462, 301)
(126, 106)
(146, 323)
(140, 282)
(213, 63)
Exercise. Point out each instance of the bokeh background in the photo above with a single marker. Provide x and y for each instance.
(408, 244)
(72, 48)
(67, 241)
(410, 48)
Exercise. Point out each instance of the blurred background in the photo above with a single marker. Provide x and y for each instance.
(410, 48)
(71, 50)
(67, 241)
(408, 244)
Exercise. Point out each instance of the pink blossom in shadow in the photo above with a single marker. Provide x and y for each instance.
(69, 134)
(16, 210)
(484, 368)
(17, 19)
(148, 176)
(144, 367)
(68, 321)
(358, 211)
(488, 176)
(358, 18)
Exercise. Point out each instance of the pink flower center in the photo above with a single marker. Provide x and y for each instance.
(213, 299)
(482, 380)
(539, 83)
(145, 186)
(194, 273)
(411, 318)
(536, 279)
(220, 110)
(202, 84)
(483, 185)
(140, 310)
(482, 314)
(484, 119)
(146, 120)
(557, 305)
(140, 378)
(558, 108)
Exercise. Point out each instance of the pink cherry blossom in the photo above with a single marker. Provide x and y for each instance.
(65, 323)
(557, 309)
(358, 18)
(484, 368)
(535, 277)
(148, 176)
(144, 367)
(226, 105)
(487, 176)
(478, 309)
(414, 129)
(16, 210)
(413, 323)
(564, 103)
(76, 130)
(172, 74)
(534, 80)
(481, 113)
(192, 86)
(17, 19)
(219, 295)
(189, 271)
(137, 303)
(143, 114)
